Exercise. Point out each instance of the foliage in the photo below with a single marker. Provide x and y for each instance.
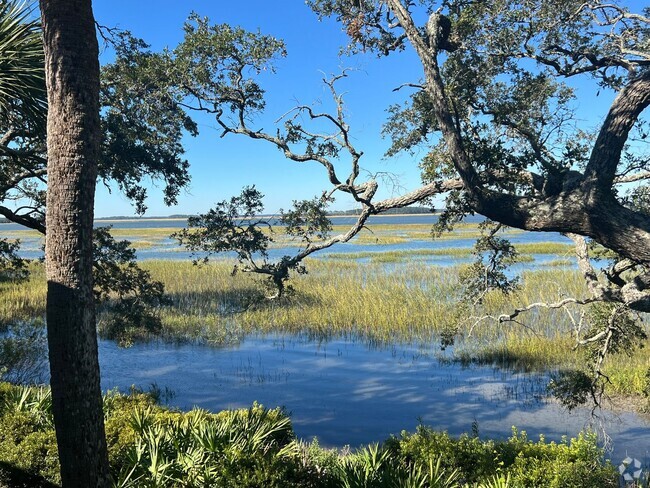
(27, 438)
(152, 446)
(232, 225)
(578, 462)
(143, 123)
(12, 267)
(22, 84)
(130, 299)
(142, 127)
(235, 225)
(307, 220)
(625, 331)
(488, 272)
(23, 352)
(238, 448)
(613, 329)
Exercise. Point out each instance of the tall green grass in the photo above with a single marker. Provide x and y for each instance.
(23, 301)
(377, 302)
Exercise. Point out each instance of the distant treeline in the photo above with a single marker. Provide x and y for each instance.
(392, 211)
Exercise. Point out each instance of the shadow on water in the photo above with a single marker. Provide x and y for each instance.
(347, 392)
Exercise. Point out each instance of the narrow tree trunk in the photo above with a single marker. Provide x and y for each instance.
(73, 133)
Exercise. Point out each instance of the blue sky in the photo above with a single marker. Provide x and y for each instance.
(220, 167)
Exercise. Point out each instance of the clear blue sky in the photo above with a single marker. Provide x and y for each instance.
(221, 167)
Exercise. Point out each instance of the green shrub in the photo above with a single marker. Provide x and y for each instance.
(238, 448)
(29, 445)
(150, 445)
(571, 463)
(473, 458)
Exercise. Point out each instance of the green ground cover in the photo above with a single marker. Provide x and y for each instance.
(153, 446)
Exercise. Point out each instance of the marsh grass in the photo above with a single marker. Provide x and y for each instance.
(23, 301)
(546, 248)
(143, 233)
(560, 262)
(400, 255)
(380, 302)
(383, 305)
(19, 234)
(142, 244)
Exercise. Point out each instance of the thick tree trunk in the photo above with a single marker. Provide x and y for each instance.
(73, 134)
(586, 205)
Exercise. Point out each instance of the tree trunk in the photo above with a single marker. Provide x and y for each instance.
(73, 134)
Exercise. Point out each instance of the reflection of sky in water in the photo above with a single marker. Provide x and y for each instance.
(348, 393)
(166, 248)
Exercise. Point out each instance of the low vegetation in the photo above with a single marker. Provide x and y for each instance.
(378, 302)
(152, 446)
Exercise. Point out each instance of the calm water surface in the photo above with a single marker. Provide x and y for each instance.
(345, 392)
(168, 249)
(179, 223)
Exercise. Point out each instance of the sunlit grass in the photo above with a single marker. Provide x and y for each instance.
(143, 233)
(400, 255)
(387, 305)
(19, 234)
(23, 301)
(383, 298)
(560, 262)
(142, 244)
(545, 248)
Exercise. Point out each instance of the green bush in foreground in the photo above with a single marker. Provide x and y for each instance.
(153, 446)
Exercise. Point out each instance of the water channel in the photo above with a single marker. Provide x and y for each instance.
(347, 392)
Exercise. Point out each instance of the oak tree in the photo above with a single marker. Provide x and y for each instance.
(496, 115)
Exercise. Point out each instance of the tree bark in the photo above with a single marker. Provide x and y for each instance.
(586, 204)
(73, 135)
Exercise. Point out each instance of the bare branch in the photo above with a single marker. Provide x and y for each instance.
(561, 304)
(632, 178)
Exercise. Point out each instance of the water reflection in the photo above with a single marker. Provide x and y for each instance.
(345, 392)
(169, 249)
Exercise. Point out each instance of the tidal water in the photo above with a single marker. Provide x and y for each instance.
(168, 249)
(347, 392)
(179, 223)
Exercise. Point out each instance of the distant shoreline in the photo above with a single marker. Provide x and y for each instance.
(335, 216)
(183, 218)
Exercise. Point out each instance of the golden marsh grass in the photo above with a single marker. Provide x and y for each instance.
(386, 300)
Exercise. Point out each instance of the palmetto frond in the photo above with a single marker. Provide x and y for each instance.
(22, 81)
